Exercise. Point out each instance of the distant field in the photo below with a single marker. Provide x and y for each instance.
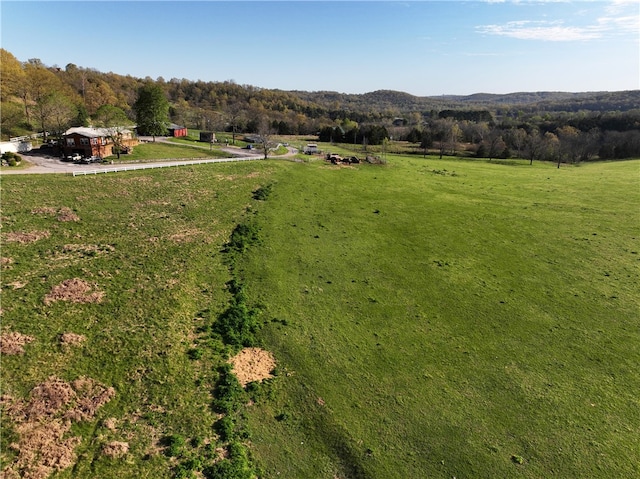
(451, 319)
(430, 318)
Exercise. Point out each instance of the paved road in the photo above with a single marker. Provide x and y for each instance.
(42, 163)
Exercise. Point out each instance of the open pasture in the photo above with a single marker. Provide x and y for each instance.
(451, 319)
(109, 287)
(428, 318)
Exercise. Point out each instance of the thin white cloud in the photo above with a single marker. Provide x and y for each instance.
(548, 31)
(619, 17)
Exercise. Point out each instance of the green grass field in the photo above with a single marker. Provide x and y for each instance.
(159, 151)
(451, 318)
(430, 318)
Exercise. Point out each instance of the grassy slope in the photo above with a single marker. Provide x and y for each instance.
(447, 322)
(158, 237)
(159, 150)
(445, 318)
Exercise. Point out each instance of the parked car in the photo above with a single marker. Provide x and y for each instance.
(95, 159)
(74, 157)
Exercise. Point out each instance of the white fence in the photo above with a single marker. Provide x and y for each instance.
(158, 165)
(27, 137)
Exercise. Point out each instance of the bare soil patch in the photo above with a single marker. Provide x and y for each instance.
(44, 210)
(43, 422)
(17, 284)
(4, 261)
(12, 342)
(24, 237)
(111, 423)
(186, 236)
(252, 364)
(115, 449)
(66, 214)
(72, 339)
(74, 290)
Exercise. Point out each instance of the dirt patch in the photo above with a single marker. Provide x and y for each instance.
(111, 423)
(186, 236)
(43, 422)
(67, 214)
(115, 449)
(72, 339)
(44, 210)
(252, 364)
(17, 284)
(74, 290)
(24, 237)
(4, 261)
(12, 343)
(64, 213)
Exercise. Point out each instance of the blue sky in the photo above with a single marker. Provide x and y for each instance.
(423, 48)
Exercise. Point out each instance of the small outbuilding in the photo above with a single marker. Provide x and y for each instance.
(207, 137)
(177, 131)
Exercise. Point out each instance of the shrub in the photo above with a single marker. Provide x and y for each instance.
(174, 444)
(195, 353)
(243, 236)
(228, 392)
(11, 158)
(263, 192)
(237, 324)
(225, 428)
(237, 466)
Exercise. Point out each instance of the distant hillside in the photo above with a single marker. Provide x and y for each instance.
(81, 92)
(519, 98)
(545, 101)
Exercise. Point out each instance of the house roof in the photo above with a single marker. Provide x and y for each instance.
(90, 132)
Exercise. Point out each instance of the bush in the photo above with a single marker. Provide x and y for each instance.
(263, 192)
(225, 428)
(11, 158)
(174, 443)
(237, 324)
(228, 393)
(195, 353)
(237, 466)
(243, 236)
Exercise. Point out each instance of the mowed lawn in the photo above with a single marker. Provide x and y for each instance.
(450, 318)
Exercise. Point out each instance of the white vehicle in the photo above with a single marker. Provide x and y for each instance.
(74, 157)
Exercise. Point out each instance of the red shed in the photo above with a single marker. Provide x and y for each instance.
(177, 130)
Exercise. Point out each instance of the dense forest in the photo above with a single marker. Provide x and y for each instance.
(558, 126)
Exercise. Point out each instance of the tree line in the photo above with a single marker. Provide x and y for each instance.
(550, 126)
